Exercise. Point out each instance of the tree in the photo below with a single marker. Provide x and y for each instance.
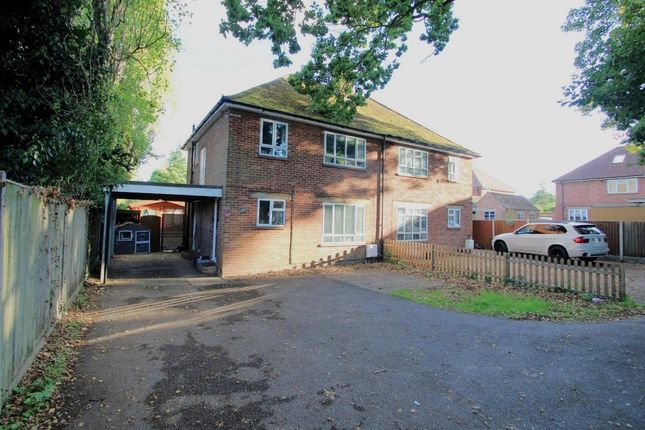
(543, 200)
(611, 64)
(175, 170)
(357, 44)
(81, 83)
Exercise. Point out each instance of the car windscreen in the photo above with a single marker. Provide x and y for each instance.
(587, 229)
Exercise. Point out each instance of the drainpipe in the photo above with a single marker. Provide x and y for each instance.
(293, 199)
(382, 195)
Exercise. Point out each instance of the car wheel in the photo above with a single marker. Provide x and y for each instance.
(500, 246)
(558, 253)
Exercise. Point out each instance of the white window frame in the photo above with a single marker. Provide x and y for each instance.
(612, 185)
(454, 213)
(454, 169)
(202, 166)
(532, 216)
(520, 215)
(578, 211)
(487, 214)
(274, 147)
(121, 239)
(412, 211)
(356, 160)
(618, 158)
(272, 209)
(359, 238)
(415, 154)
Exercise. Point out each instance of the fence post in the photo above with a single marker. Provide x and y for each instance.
(621, 240)
(621, 292)
(432, 256)
(507, 266)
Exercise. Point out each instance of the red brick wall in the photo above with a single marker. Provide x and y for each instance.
(587, 194)
(306, 183)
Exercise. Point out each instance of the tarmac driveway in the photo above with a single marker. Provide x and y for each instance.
(174, 350)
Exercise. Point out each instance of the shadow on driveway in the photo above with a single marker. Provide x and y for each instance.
(318, 352)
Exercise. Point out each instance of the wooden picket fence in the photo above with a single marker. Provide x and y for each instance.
(598, 278)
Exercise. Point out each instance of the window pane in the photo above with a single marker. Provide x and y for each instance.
(278, 204)
(339, 219)
(360, 149)
(265, 150)
(278, 218)
(360, 218)
(263, 213)
(329, 147)
(350, 219)
(267, 133)
(340, 149)
(351, 147)
(328, 212)
(281, 135)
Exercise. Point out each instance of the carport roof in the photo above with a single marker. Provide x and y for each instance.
(161, 191)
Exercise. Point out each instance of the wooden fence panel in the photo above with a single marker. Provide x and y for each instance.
(43, 249)
(601, 278)
(610, 228)
(634, 234)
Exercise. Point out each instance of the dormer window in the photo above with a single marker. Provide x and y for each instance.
(618, 158)
(274, 138)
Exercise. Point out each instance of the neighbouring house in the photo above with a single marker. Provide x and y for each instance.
(300, 191)
(157, 207)
(493, 199)
(610, 187)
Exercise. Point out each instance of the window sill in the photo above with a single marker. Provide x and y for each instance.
(406, 175)
(339, 166)
(454, 227)
(269, 227)
(339, 245)
(273, 157)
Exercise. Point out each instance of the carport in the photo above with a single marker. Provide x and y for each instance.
(152, 191)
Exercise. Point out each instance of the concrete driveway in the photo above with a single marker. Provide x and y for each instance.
(172, 350)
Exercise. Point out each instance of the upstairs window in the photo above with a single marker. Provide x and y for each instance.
(622, 186)
(489, 214)
(413, 162)
(202, 166)
(347, 151)
(270, 213)
(520, 215)
(273, 138)
(454, 166)
(532, 216)
(618, 158)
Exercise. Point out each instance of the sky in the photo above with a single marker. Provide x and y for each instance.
(494, 89)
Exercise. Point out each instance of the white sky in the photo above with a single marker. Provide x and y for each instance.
(494, 89)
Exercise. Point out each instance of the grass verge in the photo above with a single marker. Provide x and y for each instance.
(35, 403)
(499, 300)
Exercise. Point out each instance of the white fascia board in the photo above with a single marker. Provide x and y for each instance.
(169, 190)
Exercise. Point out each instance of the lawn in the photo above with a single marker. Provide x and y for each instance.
(505, 302)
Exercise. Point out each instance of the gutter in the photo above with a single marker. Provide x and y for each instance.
(224, 103)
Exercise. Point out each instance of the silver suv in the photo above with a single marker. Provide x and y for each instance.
(558, 240)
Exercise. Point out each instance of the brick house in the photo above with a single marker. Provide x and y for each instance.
(493, 199)
(610, 187)
(300, 191)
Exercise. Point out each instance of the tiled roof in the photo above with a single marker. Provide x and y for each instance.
(280, 96)
(486, 182)
(513, 201)
(603, 167)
